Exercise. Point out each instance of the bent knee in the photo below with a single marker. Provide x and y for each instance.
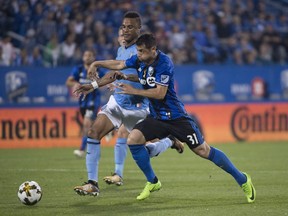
(203, 150)
(136, 137)
(122, 134)
(93, 134)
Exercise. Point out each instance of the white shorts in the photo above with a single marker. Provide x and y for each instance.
(119, 116)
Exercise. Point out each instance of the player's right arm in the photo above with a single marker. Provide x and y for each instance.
(109, 64)
(73, 79)
(70, 82)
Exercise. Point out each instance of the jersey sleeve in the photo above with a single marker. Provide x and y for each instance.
(132, 62)
(164, 72)
(75, 73)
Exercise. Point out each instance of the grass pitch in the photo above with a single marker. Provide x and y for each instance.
(191, 185)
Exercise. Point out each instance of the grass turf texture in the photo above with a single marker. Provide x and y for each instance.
(191, 186)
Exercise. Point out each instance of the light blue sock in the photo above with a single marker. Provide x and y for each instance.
(141, 157)
(92, 158)
(120, 152)
(83, 143)
(156, 148)
(221, 160)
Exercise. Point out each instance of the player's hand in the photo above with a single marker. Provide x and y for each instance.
(118, 75)
(111, 87)
(83, 90)
(125, 88)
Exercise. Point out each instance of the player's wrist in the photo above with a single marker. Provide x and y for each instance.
(94, 84)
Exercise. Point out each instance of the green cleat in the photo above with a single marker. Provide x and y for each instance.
(249, 189)
(149, 187)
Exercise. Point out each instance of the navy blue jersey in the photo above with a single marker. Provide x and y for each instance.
(79, 73)
(161, 71)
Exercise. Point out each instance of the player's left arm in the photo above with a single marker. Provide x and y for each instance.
(108, 78)
(158, 92)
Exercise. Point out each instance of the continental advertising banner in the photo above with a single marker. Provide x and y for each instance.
(224, 123)
(40, 127)
(220, 123)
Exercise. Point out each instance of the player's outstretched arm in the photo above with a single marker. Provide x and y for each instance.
(108, 78)
(109, 64)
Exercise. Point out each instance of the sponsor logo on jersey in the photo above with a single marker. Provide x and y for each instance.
(164, 79)
(143, 81)
(151, 81)
(150, 71)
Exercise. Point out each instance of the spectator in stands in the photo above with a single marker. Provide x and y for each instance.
(273, 38)
(30, 41)
(52, 52)
(265, 53)
(36, 58)
(68, 48)
(46, 28)
(261, 21)
(2, 63)
(22, 19)
(8, 51)
(245, 52)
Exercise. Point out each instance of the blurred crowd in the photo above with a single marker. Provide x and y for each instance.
(56, 32)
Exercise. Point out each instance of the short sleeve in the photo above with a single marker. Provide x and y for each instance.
(75, 73)
(132, 62)
(164, 72)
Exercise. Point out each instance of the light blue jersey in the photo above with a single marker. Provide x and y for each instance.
(129, 102)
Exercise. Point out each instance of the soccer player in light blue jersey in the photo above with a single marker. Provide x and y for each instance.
(168, 116)
(120, 110)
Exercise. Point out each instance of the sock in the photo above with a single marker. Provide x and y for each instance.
(83, 143)
(120, 152)
(156, 148)
(92, 158)
(221, 160)
(142, 159)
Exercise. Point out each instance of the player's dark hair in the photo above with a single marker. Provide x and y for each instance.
(93, 51)
(133, 15)
(146, 39)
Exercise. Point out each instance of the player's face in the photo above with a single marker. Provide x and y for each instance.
(131, 29)
(146, 55)
(88, 57)
(121, 39)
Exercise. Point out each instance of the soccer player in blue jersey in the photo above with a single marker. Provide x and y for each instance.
(168, 116)
(120, 110)
(90, 105)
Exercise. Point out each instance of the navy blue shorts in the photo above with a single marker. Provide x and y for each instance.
(89, 112)
(184, 129)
